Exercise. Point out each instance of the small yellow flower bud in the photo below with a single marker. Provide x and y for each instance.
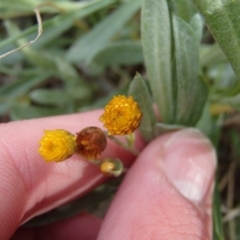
(57, 145)
(91, 142)
(112, 167)
(121, 116)
(107, 167)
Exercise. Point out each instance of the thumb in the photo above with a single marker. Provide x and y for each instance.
(167, 194)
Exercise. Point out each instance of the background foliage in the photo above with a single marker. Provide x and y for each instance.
(189, 51)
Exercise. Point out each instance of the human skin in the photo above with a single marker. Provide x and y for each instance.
(166, 194)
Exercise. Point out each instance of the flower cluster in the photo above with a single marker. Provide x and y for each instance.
(59, 145)
(122, 116)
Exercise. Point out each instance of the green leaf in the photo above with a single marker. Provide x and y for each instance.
(196, 23)
(74, 84)
(191, 91)
(223, 19)
(161, 128)
(61, 23)
(53, 27)
(120, 52)
(208, 125)
(24, 111)
(183, 9)
(4, 107)
(13, 90)
(85, 48)
(51, 97)
(13, 8)
(156, 42)
(140, 93)
(23, 85)
(223, 76)
(211, 55)
(217, 216)
(39, 59)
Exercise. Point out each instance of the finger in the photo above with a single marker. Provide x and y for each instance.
(167, 193)
(30, 186)
(83, 226)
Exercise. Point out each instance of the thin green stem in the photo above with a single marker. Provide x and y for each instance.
(126, 145)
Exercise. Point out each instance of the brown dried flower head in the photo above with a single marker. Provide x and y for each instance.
(91, 142)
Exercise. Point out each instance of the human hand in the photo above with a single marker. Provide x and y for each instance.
(166, 194)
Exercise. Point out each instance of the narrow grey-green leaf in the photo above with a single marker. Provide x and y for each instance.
(121, 52)
(156, 42)
(208, 125)
(4, 107)
(49, 96)
(196, 23)
(53, 27)
(21, 111)
(211, 55)
(15, 8)
(184, 9)
(23, 85)
(224, 78)
(191, 92)
(223, 19)
(63, 22)
(91, 43)
(217, 216)
(39, 59)
(161, 128)
(140, 93)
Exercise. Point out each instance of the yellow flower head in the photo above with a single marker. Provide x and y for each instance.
(57, 145)
(91, 141)
(121, 116)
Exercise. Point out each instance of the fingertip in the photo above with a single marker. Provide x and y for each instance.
(190, 163)
(151, 204)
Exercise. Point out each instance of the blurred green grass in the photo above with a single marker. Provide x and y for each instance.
(81, 59)
(91, 50)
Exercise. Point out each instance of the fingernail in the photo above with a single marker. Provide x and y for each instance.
(189, 163)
